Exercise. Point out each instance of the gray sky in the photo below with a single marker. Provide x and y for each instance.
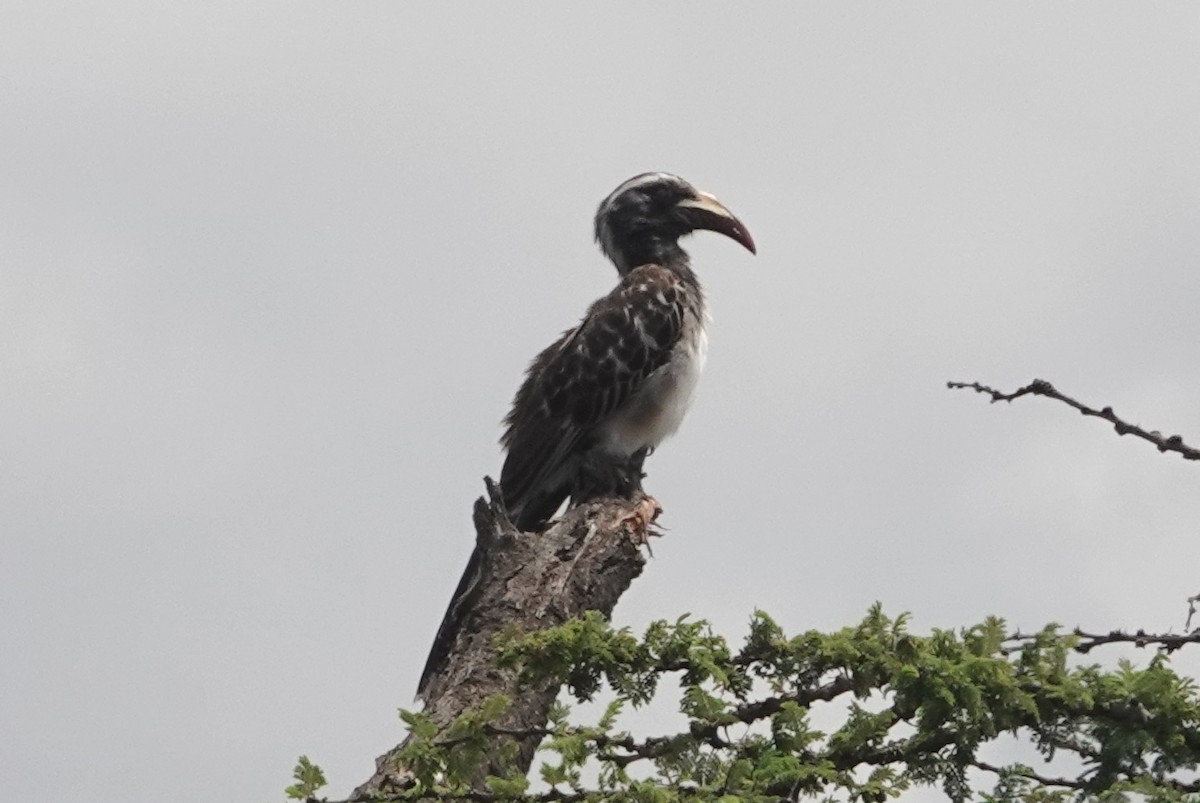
(270, 272)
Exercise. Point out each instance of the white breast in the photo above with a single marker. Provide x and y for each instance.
(659, 406)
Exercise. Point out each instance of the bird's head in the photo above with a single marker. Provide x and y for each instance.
(642, 220)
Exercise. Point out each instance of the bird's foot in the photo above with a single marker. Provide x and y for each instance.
(640, 522)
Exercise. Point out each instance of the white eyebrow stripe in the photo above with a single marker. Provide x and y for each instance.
(639, 181)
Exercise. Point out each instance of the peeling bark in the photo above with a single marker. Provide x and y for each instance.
(584, 561)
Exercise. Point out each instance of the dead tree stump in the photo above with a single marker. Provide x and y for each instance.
(532, 581)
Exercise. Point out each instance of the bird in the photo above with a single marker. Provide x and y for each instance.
(607, 392)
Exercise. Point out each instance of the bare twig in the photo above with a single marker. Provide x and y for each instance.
(1040, 387)
(1028, 772)
(1191, 611)
(1076, 783)
(1167, 642)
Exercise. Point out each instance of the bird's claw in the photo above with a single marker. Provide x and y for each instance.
(640, 522)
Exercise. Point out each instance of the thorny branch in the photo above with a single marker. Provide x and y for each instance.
(1167, 642)
(1026, 772)
(656, 746)
(620, 749)
(1040, 387)
(900, 750)
(1072, 783)
(1191, 611)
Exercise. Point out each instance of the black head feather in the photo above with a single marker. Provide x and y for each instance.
(641, 221)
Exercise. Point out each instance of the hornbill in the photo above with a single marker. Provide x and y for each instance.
(599, 399)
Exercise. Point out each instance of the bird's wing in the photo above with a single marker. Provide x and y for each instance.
(587, 374)
(570, 387)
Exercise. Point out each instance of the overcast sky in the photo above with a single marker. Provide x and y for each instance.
(270, 273)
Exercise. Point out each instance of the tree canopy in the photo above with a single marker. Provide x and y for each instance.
(919, 711)
(944, 710)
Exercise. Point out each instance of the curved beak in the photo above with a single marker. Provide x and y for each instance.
(706, 212)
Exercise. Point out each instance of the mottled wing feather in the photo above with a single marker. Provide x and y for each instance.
(588, 373)
(584, 376)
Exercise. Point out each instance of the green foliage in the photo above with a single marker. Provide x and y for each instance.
(916, 711)
(309, 779)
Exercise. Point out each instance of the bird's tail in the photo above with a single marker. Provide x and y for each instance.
(452, 621)
(530, 515)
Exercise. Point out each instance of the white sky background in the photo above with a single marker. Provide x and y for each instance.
(269, 275)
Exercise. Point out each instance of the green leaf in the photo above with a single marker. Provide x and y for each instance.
(419, 724)
(611, 712)
(508, 787)
(309, 779)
